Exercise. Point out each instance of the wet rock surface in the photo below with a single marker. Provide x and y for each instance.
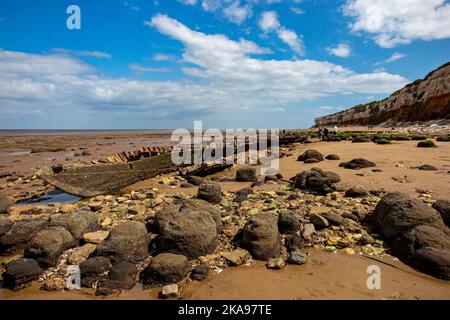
(260, 237)
(166, 268)
(358, 163)
(21, 272)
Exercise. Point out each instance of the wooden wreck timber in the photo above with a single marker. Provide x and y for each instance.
(126, 168)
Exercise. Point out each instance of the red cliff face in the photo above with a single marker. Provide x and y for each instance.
(422, 100)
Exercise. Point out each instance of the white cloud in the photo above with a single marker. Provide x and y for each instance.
(234, 80)
(141, 69)
(342, 50)
(82, 53)
(269, 22)
(237, 13)
(395, 22)
(189, 2)
(292, 40)
(297, 10)
(395, 56)
(164, 57)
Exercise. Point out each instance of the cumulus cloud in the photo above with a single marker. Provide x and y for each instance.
(342, 50)
(237, 13)
(395, 22)
(269, 22)
(232, 79)
(142, 69)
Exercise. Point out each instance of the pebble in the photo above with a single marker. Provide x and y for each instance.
(170, 291)
(276, 264)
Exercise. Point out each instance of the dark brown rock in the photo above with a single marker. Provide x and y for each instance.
(247, 174)
(166, 268)
(20, 272)
(210, 192)
(443, 207)
(357, 163)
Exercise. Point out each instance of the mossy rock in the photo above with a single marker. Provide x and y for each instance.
(383, 141)
(443, 138)
(426, 144)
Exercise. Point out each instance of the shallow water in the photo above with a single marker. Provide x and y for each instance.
(56, 196)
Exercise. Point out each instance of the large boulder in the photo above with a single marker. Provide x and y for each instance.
(126, 242)
(443, 207)
(166, 213)
(92, 268)
(357, 163)
(48, 244)
(192, 233)
(316, 180)
(433, 261)
(76, 223)
(5, 203)
(396, 213)
(20, 272)
(246, 174)
(166, 268)
(310, 156)
(260, 236)
(20, 233)
(210, 192)
(405, 245)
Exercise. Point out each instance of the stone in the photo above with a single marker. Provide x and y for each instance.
(5, 203)
(194, 180)
(20, 272)
(273, 178)
(435, 262)
(5, 225)
(54, 284)
(308, 230)
(92, 268)
(96, 237)
(128, 241)
(350, 216)
(260, 236)
(166, 268)
(427, 167)
(20, 233)
(367, 239)
(74, 223)
(210, 192)
(294, 242)
(122, 276)
(356, 192)
(47, 245)
(296, 257)
(357, 163)
(332, 157)
(333, 218)
(443, 207)
(81, 254)
(57, 168)
(288, 221)
(186, 185)
(200, 272)
(275, 263)
(318, 220)
(246, 174)
(192, 233)
(316, 180)
(310, 156)
(240, 198)
(169, 291)
(396, 213)
(237, 257)
(349, 251)
(360, 139)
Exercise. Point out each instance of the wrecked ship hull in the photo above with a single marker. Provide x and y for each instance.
(90, 181)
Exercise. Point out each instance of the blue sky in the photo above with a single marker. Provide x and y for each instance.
(231, 63)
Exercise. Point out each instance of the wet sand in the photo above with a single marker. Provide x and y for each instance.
(324, 276)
